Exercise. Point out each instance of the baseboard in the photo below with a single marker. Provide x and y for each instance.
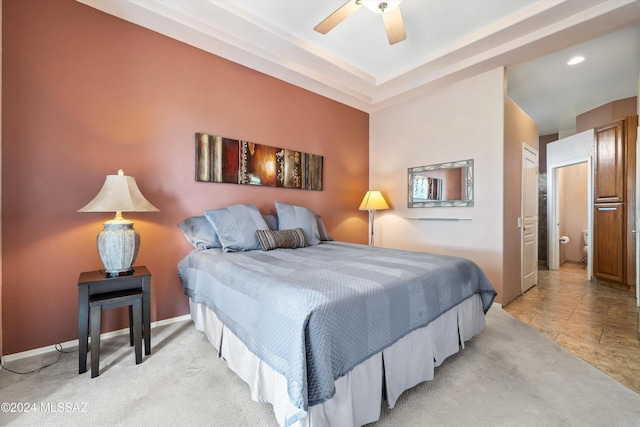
(74, 343)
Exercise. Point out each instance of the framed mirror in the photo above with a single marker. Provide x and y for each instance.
(443, 184)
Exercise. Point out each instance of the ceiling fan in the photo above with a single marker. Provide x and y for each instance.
(389, 10)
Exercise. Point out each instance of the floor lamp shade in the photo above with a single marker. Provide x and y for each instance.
(372, 202)
(118, 242)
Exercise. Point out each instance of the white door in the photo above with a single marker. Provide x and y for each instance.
(529, 215)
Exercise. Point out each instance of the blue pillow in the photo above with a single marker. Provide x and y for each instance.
(272, 221)
(200, 233)
(291, 217)
(322, 229)
(236, 226)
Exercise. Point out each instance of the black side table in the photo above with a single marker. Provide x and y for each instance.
(93, 283)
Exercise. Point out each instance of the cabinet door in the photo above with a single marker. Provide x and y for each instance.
(631, 136)
(608, 242)
(609, 171)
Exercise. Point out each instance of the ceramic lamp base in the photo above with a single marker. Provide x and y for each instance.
(118, 245)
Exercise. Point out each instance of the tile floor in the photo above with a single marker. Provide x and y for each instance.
(596, 323)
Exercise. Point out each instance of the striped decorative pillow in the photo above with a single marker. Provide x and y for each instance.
(287, 239)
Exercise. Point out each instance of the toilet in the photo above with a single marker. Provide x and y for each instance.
(585, 248)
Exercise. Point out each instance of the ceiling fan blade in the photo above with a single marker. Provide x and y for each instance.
(338, 16)
(394, 26)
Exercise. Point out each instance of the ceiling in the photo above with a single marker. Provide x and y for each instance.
(447, 40)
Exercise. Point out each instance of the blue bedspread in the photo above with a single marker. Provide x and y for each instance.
(314, 313)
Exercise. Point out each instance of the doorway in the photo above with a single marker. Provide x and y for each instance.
(573, 219)
(570, 212)
(572, 150)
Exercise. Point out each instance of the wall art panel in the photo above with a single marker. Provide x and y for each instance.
(220, 159)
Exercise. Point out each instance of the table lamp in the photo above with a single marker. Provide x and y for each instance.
(372, 202)
(118, 242)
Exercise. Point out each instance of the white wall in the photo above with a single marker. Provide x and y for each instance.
(462, 121)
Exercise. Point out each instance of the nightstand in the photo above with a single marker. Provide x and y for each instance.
(93, 283)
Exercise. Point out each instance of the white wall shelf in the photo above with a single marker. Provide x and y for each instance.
(438, 219)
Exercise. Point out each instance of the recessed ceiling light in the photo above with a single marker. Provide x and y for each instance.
(575, 60)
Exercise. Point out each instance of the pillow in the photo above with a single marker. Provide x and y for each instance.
(322, 230)
(236, 226)
(200, 233)
(288, 239)
(291, 217)
(272, 221)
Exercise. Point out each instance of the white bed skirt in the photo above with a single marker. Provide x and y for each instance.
(359, 394)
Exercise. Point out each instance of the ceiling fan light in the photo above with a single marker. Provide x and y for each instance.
(378, 6)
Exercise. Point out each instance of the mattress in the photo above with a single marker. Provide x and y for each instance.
(330, 307)
(360, 394)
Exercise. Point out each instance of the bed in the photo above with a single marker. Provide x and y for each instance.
(325, 331)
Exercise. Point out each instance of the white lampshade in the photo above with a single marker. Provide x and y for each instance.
(118, 242)
(373, 201)
(119, 193)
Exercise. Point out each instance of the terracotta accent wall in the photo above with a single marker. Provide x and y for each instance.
(84, 94)
(1, 352)
(518, 128)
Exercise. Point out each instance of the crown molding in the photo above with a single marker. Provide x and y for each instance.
(226, 30)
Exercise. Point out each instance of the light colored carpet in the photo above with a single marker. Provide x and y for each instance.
(509, 375)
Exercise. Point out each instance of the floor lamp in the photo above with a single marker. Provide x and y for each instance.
(372, 202)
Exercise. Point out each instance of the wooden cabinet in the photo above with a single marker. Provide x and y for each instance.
(614, 186)
(608, 243)
(609, 164)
